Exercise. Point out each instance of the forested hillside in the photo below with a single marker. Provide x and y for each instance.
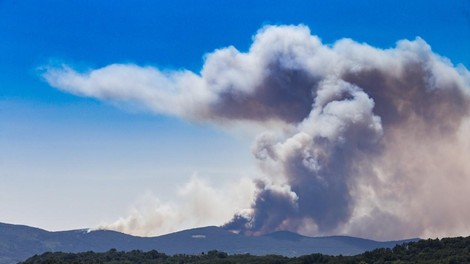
(17, 243)
(446, 250)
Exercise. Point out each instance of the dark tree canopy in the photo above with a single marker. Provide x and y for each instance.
(446, 250)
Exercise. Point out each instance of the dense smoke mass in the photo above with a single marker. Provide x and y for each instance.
(358, 140)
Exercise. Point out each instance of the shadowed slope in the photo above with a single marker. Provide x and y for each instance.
(20, 242)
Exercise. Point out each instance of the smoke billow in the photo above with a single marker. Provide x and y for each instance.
(369, 141)
(193, 206)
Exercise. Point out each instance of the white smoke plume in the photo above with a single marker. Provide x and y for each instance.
(370, 142)
(197, 204)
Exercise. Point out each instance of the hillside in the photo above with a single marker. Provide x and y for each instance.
(20, 242)
(447, 250)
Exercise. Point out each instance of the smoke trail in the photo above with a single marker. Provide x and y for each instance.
(365, 135)
(196, 204)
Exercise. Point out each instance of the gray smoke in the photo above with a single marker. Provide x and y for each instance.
(363, 136)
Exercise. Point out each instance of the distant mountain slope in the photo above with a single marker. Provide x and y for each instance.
(20, 242)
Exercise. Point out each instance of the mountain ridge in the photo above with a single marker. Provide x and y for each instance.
(18, 242)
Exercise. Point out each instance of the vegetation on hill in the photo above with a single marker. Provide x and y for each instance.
(446, 250)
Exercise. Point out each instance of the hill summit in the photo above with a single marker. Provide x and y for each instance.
(18, 242)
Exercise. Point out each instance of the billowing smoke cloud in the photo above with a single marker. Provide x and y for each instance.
(371, 142)
(197, 204)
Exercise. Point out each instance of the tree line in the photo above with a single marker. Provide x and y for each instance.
(446, 250)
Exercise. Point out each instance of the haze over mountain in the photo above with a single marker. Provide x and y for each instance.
(20, 242)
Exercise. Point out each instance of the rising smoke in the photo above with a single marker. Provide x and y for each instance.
(371, 142)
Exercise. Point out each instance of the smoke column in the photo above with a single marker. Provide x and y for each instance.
(359, 140)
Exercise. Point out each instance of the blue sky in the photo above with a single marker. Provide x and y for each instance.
(63, 156)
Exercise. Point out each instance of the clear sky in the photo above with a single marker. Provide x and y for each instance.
(70, 162)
